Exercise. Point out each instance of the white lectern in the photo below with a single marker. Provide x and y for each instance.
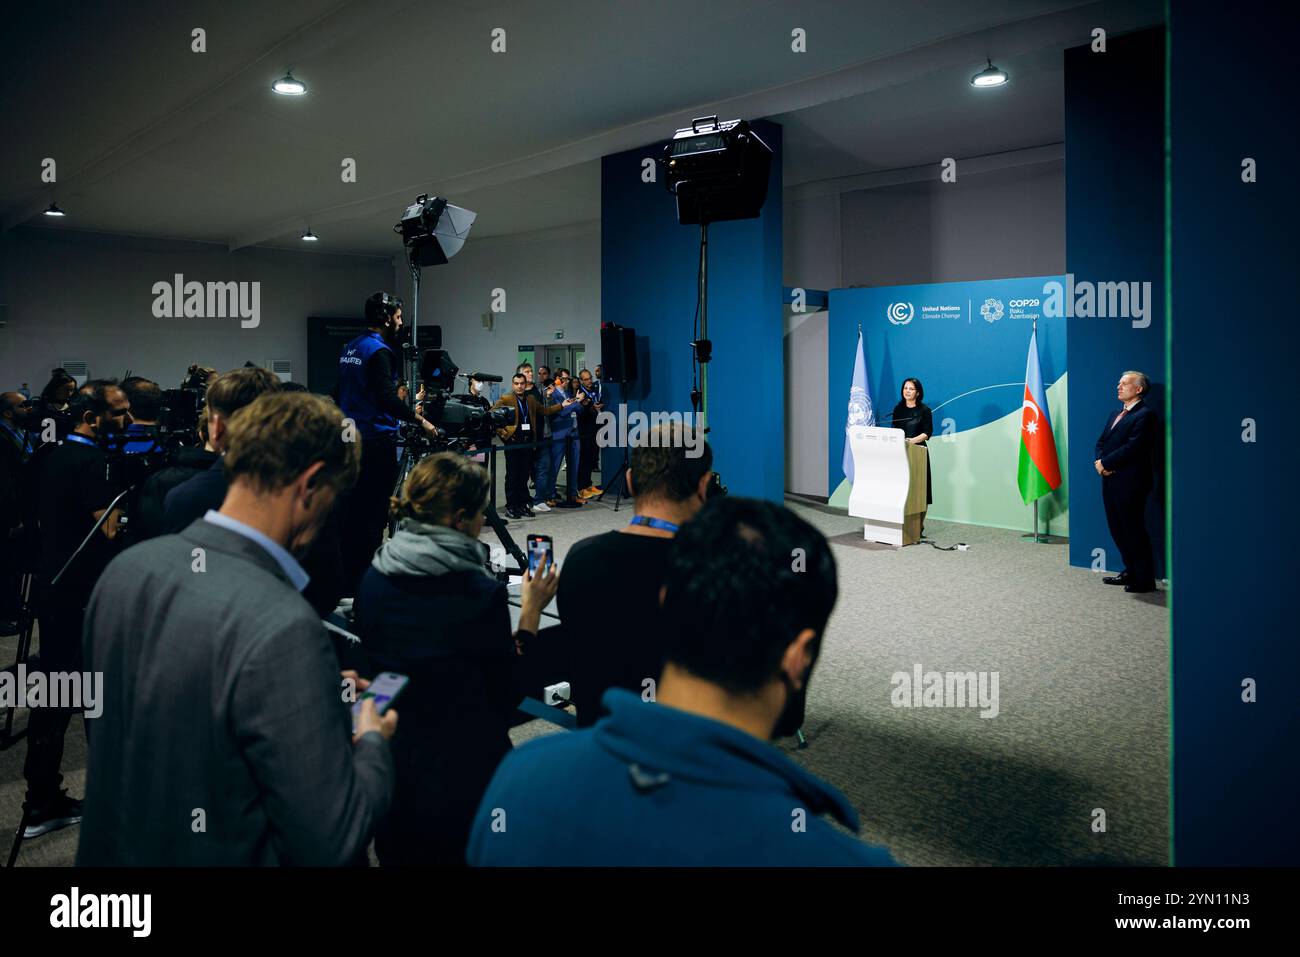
(889, 485)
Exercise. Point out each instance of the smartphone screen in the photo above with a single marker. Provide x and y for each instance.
(383, 690)
(539, 552)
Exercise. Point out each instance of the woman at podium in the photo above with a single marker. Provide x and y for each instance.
(915, 419)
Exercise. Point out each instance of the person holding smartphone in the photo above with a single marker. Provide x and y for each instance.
(428, 608)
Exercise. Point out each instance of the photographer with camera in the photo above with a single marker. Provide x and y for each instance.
(367, 393)
(74, 494)
(561, 448)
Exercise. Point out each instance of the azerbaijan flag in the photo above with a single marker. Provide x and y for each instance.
(1039, 473)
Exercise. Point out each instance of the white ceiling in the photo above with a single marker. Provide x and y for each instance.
(154, 140)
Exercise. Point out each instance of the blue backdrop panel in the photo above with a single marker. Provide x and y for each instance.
(970, 358)
(648, 271)
(1233, 358)
(1114, 232)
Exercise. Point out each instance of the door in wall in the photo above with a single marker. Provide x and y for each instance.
(564, 355)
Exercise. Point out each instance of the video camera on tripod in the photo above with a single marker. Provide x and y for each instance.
(459, 416)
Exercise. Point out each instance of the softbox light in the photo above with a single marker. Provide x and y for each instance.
(433, 230)
(717, 170)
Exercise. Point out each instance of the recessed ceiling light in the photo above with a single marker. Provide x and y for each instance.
(54, 210)
(288, 86)
(309, 236)
(989, 77)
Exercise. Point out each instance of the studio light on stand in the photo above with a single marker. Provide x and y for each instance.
(718, 171)
(432, 231)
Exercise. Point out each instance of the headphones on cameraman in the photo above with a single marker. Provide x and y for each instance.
(380, 307)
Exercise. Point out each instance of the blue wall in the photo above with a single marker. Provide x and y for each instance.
(648, 271)
(1234, 354)
(1114, 232)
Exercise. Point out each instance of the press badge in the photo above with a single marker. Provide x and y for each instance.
(526, 427)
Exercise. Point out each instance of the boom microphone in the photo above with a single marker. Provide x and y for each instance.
(483, 377)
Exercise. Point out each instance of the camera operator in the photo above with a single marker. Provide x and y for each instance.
(367, 393)
(74, 493)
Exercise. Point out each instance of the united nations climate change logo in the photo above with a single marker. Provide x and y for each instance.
(900, 313)
(859, 406)
(991, 310)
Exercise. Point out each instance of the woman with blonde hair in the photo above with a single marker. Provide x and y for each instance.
(429, 608)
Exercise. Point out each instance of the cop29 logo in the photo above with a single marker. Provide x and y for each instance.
(991, 310)
(900, 313)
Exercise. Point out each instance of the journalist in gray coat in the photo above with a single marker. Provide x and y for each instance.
(224, 737)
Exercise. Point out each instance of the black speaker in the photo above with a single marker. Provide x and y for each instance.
(618, 352)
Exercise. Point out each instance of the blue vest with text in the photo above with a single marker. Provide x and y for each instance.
(355, 397)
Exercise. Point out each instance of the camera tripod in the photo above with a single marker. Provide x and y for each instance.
(414, 451)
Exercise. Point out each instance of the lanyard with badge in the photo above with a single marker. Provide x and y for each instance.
(524, 424)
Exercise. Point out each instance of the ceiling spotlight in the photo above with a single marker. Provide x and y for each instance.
(288, 86)
(54, 210)
(309, 236)
(989, 77)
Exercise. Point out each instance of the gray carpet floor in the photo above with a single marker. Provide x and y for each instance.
(1082, 730)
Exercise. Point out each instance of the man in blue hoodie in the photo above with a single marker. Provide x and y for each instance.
(690, 778)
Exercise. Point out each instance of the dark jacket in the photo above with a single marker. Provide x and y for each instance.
(149, 521)
(191, 499)
(653, 785)
(221, 693)
(451, 635)
(536, 410)
(1126, 448)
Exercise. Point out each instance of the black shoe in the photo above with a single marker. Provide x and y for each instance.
(569, 503)
(1143, 588)
(528, 511)
(1120, 579)
(56, 815)
(8, 628)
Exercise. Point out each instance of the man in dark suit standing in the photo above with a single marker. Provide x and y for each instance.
(224, 738)
(1123, 460)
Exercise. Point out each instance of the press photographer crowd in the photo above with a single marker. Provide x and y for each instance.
(309, 656)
